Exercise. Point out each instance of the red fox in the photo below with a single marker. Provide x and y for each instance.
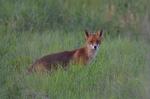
(81, 56)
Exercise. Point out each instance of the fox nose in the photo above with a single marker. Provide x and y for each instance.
(95, 47)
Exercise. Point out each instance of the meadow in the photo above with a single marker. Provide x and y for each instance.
(120, 71)
(31, 29)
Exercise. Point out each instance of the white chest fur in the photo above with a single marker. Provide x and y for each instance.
(92, 54)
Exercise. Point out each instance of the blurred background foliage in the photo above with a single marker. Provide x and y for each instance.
(126, 17)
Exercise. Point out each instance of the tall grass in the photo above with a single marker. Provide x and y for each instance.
(120, 71)
(115, 16)
(30, 29)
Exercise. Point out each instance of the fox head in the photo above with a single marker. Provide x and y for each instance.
(93, 40)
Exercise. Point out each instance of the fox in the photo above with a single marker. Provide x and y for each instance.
(80, 56)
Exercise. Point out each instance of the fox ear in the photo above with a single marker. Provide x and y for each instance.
(86, 33)
(100, 33)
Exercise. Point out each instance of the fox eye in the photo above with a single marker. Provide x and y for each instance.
(91, 41)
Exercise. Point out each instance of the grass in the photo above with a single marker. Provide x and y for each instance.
(30, 29)
(36, 15)
(120, 71)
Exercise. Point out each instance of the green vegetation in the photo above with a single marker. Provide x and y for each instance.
(30, 29)
(115, 16)
(119, 71)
